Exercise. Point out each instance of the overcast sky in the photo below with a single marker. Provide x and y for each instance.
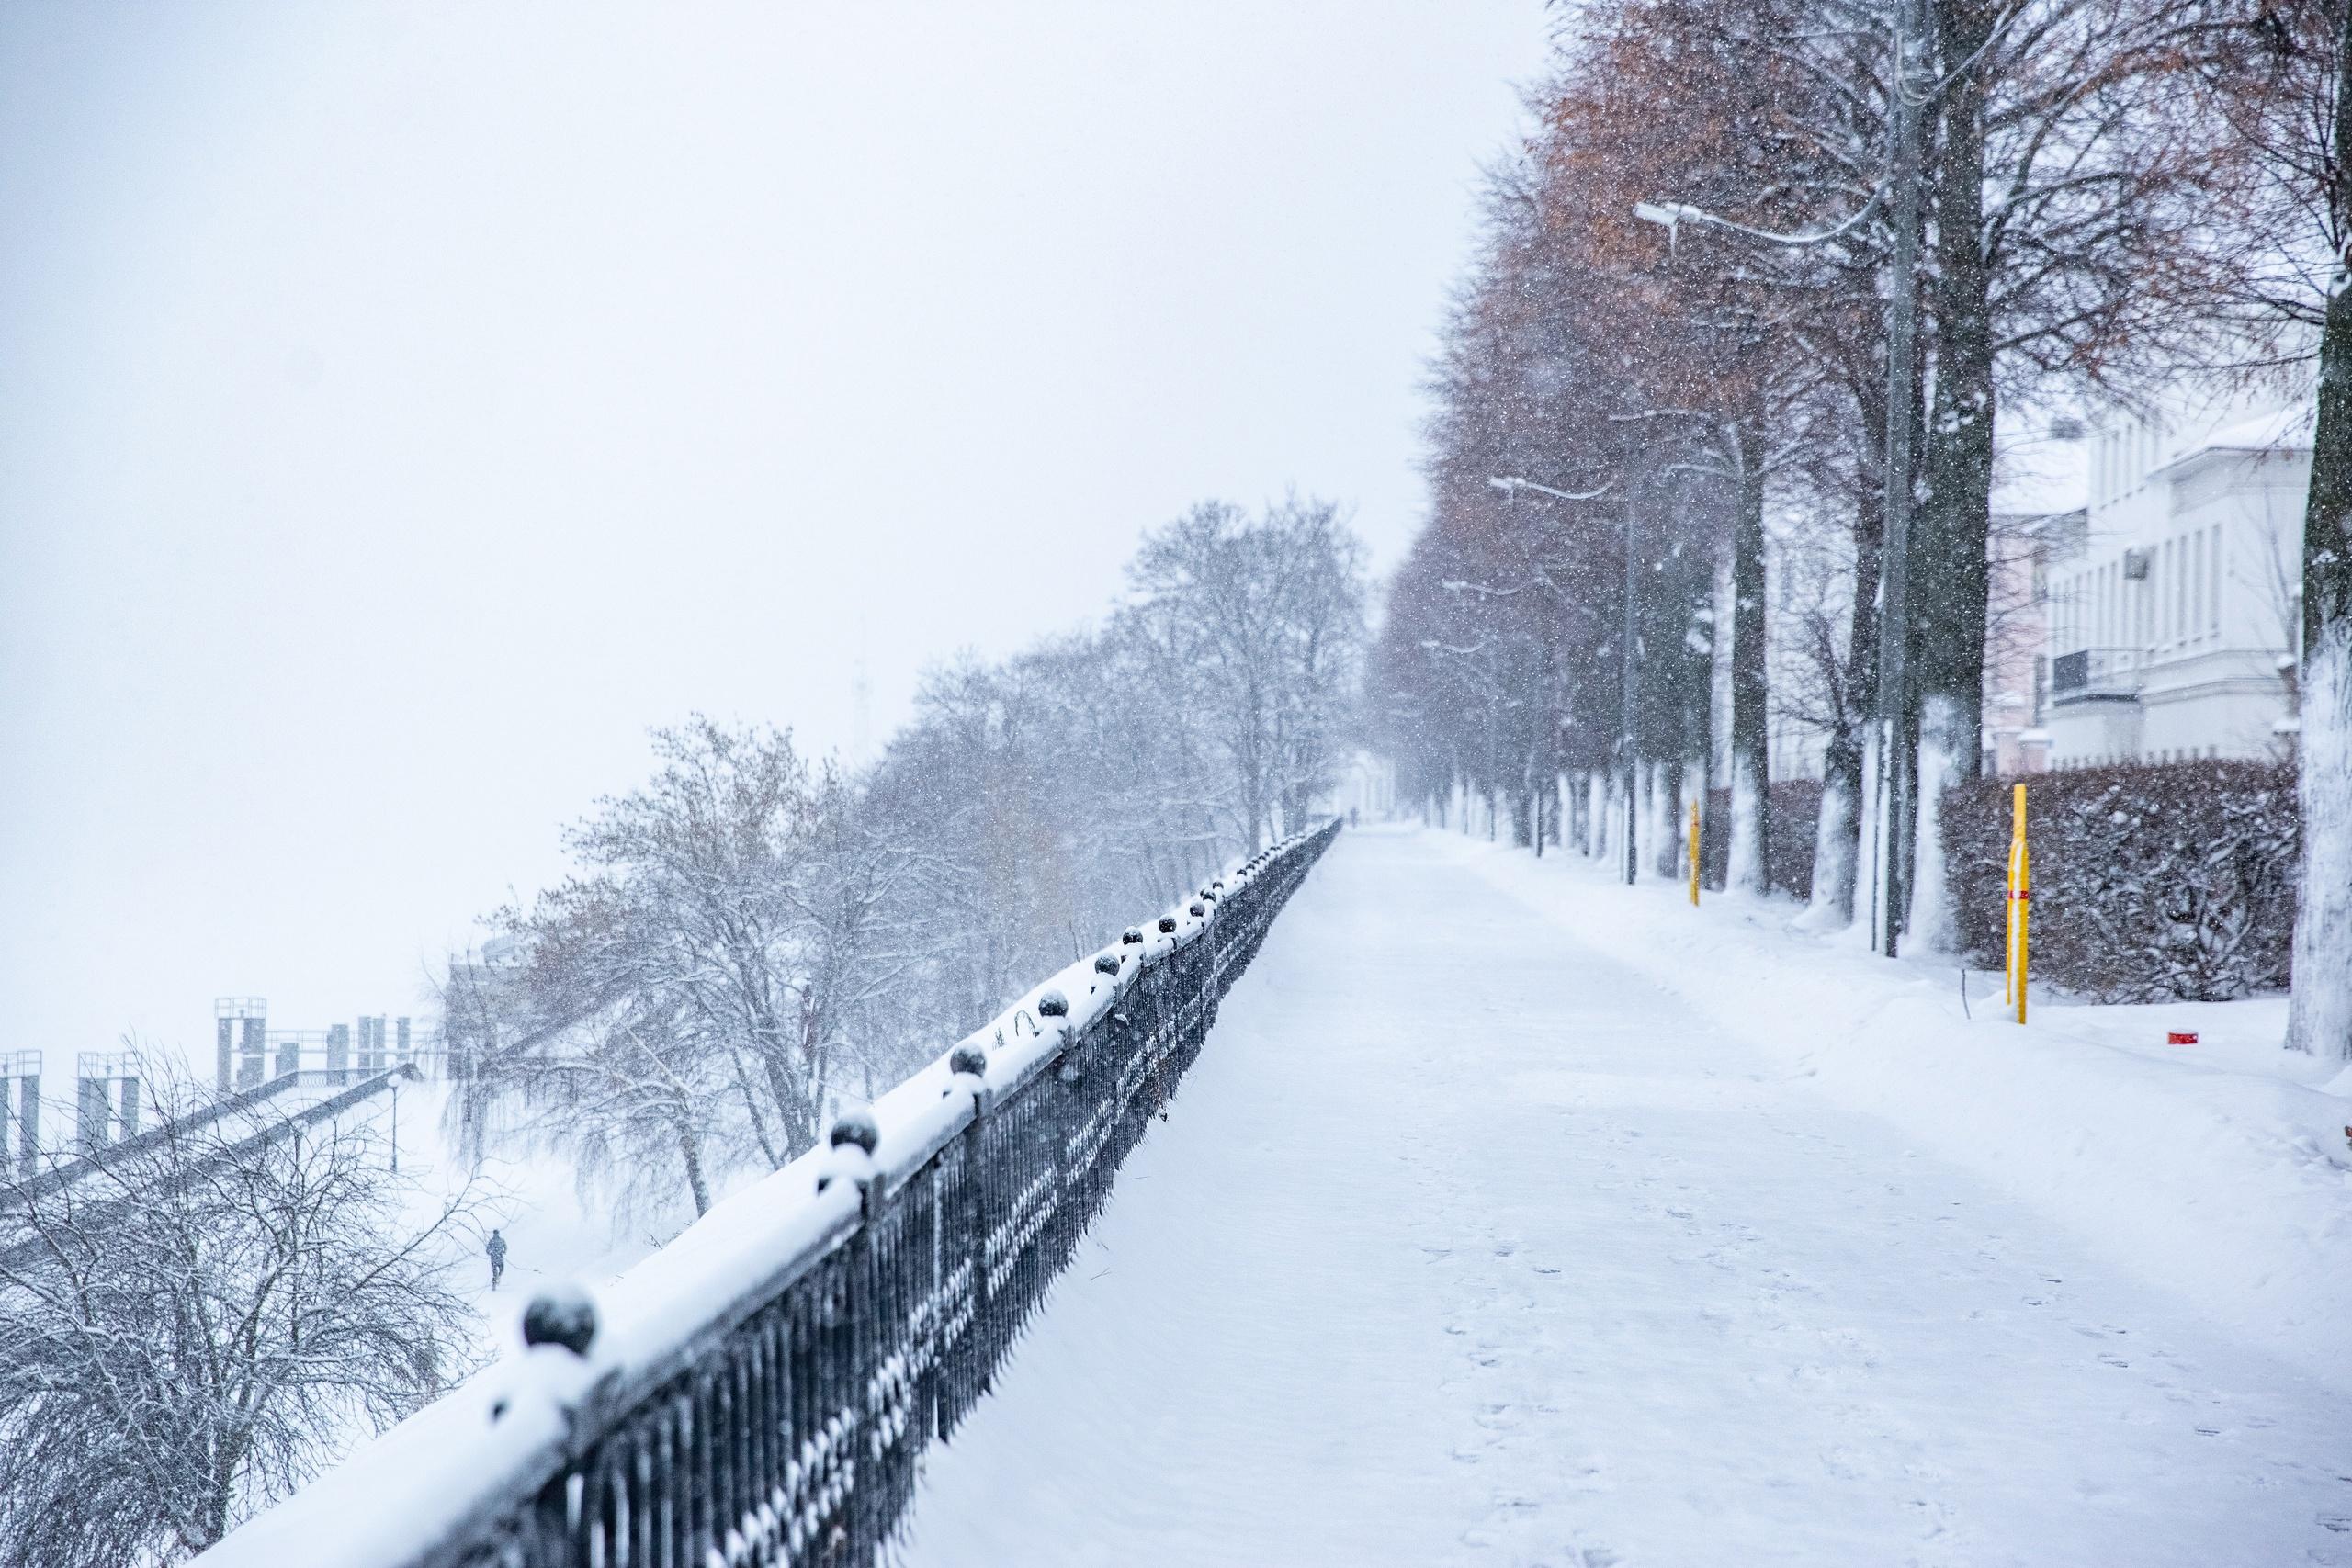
(402, 407)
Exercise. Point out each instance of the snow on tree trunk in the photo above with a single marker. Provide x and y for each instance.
(1598, 793)
(1867, 893)
(1946, 735)
(1652, 809)
(2319, 1017)
(2320, 1011)
(1747, 826)
(1751, 823)
(1839, 835)
(1832, 903)
(1668, 858)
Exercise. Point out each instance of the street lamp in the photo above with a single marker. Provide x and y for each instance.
(1512, 485)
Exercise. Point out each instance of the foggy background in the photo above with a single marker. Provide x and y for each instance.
(403, 408)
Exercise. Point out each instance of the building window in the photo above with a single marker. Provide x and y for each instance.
(2181, 596)
(2198, 595)
(2216, 587)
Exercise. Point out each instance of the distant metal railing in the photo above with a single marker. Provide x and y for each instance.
(133, 1169)
(245, 1103)
(763, 1396)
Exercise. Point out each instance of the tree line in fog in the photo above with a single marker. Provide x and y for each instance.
(755, 934)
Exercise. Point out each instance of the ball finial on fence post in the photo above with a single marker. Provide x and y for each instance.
(565, 1315)
(855, 1127)
(852, 1140)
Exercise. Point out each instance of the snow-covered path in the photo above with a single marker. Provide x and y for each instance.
(1466, 1245)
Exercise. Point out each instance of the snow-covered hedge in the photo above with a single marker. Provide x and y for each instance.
(2149, 883)
(1796, 815)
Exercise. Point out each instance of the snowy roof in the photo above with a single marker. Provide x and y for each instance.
(2036, 473)
(2286, 429)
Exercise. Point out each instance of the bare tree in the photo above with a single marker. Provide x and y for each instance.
(1257, 622)
(203, 1321)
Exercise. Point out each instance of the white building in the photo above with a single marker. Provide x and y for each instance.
(2041, 481)
(2171, 611)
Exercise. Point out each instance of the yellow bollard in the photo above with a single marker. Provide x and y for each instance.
(2020, 899)
(1694, 854)
(2009, 913)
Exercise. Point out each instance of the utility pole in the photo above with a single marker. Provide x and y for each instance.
(1894, 614)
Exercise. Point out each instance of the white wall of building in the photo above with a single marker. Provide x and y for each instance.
(2167, 623)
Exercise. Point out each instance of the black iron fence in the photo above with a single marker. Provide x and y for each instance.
(771, 1407)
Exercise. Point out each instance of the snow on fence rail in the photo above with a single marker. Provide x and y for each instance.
(758, 1390)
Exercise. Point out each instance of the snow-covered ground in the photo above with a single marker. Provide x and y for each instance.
(553, 1238)
(1512, 1216)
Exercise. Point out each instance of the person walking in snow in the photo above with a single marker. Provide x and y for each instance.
(496, 1247)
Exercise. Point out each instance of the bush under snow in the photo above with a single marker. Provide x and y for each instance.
(2150, 883)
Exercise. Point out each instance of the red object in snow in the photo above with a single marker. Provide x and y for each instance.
(2180, 1037)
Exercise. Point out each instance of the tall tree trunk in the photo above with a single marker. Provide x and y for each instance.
(2319, 1015)
(1950, 580)
(1751, 809)
(690, 1153)
(1837, 842)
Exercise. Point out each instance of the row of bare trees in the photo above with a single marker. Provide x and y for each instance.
(1675, 370)
(192, 1323)
(753, 935)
